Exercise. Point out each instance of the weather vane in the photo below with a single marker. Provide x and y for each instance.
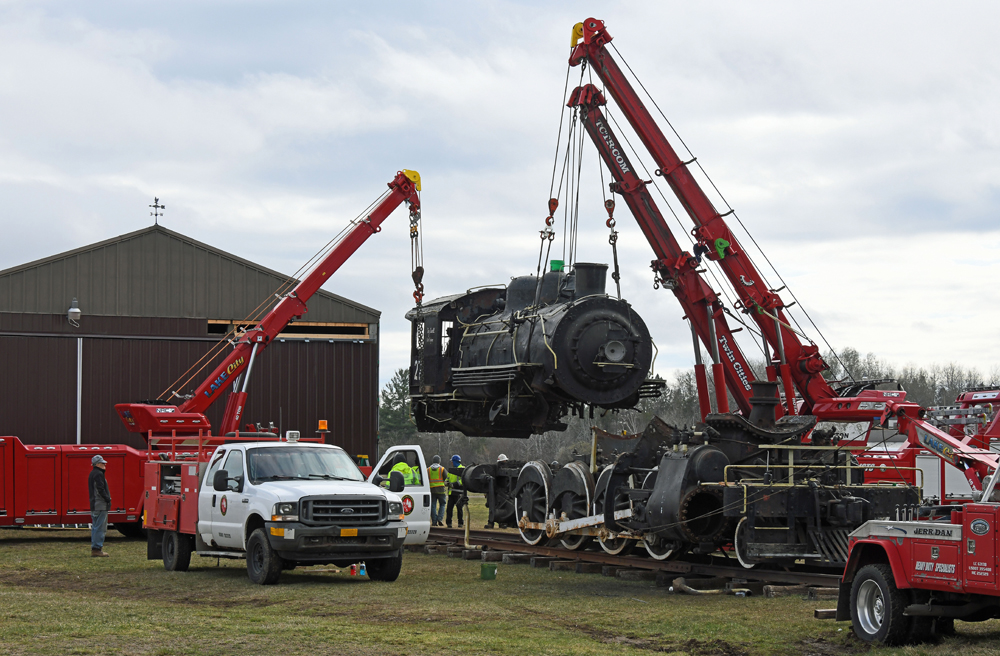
(156, 213)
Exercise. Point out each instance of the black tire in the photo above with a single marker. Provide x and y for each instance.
(944, 626)
(921, 630)
(385, 569)
(263, 563)
(132, 530)
(877, 607)
(176, 551)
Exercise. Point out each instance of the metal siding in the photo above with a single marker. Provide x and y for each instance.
(156, 272)
(302, 382)
(38, 388)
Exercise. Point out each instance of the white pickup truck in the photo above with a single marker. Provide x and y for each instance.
(279, 504)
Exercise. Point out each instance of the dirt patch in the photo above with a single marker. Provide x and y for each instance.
(392, 615)
(821, 647)
(63, 581)
(694, 647)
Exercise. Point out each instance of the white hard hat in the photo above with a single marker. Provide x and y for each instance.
(501, 458)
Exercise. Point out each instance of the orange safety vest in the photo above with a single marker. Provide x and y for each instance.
(436, 476)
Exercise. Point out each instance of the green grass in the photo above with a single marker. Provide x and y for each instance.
(56, 599)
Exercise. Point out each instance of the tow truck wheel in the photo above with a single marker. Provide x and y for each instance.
(385, 569)
(176, 551)
(263, 564)
(877, 607)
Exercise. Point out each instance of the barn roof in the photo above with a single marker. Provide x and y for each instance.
(156, 272)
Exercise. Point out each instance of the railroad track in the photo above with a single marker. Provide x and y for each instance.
(684, 565)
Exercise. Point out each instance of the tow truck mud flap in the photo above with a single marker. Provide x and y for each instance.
(154, 544)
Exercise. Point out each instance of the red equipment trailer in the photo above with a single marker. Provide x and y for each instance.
(47, 484)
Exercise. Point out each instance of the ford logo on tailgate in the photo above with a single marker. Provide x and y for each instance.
(347, 511)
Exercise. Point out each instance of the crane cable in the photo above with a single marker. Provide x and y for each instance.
(263, 307)
(738, 220)
(723, 289)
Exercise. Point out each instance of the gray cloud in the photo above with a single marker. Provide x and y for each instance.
(862, 154)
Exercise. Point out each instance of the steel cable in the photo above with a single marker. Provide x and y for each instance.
(738, 220)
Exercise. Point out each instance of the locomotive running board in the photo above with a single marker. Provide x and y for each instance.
(572, 524)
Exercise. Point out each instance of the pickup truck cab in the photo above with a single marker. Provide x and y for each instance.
(278, 504)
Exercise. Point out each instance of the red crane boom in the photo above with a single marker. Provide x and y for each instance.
(189, 417)
(799, 365)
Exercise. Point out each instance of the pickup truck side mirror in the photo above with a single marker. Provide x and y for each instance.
(220, 481)
(377, 480)
(396, 481)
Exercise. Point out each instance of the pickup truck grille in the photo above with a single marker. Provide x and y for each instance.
(343, 511)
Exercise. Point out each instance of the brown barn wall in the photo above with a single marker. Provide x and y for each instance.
(135, 358)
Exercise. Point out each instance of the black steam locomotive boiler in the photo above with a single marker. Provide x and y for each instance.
(512, 362)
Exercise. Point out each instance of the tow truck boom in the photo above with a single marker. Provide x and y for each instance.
(797, 363)
(189, 418)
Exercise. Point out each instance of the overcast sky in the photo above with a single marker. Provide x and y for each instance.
(858, 142)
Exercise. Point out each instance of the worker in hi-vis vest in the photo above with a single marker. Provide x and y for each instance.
(411, 475)
(457, 496)
(437, 477)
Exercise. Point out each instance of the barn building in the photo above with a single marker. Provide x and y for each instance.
(153, 303)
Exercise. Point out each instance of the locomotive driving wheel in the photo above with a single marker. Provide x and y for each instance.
(660, 549)
(572, 490)
(740, 544)
(616, 546)
(531, 499)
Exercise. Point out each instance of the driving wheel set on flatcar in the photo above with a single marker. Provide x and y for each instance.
(752, 487)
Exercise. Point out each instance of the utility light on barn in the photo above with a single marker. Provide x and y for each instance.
(74, 314)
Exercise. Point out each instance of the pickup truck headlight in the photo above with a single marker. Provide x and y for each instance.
(396, 510)
(285, 512)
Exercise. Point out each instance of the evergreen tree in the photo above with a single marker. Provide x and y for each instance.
(394, 424)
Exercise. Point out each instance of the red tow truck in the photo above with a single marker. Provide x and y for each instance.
(909, 578)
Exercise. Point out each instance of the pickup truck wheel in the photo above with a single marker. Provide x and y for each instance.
(263, 564)
(385, 569)
(176, 551)
(877, 606)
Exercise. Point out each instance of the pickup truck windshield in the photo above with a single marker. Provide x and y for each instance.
(301, 463)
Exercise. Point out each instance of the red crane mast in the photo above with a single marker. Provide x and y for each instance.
(189, 417)
(799, 365)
